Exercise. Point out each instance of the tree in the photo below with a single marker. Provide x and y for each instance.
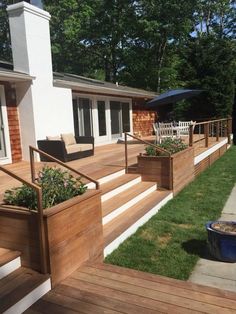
(216, 17)
(209, 64)
(162, 23)
(5, 43)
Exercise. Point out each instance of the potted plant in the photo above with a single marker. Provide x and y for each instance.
(222, 240)
(72, 223)
(170, 164)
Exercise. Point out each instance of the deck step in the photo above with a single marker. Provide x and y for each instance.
(20, 289)
(118, 185)
(9, 261)
(121, 227)
(122, 201)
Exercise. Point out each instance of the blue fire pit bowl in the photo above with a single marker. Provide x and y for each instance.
(222, 244)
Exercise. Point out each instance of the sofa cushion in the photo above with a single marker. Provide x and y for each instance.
(85, 147)
(68, 139)
(75, 148)
(53, 138)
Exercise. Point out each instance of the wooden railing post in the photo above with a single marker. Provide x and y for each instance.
(41, 230)
(32, 164)
(191, 135)
(126, 154)
(217, 131)
(206, 134)
(229, 125)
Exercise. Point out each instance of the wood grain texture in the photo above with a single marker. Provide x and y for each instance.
(118, 225)
(103, 288)
(7, 256)
(17, 285)
(74, 235)
(18, 232)
(209, 160)
(182, 169)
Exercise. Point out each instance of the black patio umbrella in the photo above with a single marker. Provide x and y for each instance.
(172, 96)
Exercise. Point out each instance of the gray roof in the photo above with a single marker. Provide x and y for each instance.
(77, 82)
(8, 74)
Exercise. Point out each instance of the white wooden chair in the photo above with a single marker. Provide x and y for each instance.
(183, 128)
(165, 130)
(155, 129)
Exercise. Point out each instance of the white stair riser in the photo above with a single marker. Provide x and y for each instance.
(132, 229)
(106, 179)
(30, 298)
(10, 267)
(127, 205)
(120, 189)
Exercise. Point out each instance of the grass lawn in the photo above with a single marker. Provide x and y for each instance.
(173, 240)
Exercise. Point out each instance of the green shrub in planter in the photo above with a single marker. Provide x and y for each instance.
(172, 145)
(57, 186)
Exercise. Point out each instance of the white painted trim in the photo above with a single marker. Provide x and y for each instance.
(8, 158)
(120, 189)
(24, 6)
(112, 176)
(132, 229)
(107, 178)
(208, 152)
(10, 267)
(127, 205)
(30, 298)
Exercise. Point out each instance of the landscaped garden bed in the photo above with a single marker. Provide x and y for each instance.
(172, 241)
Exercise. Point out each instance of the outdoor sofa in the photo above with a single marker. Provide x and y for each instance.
(67, 147)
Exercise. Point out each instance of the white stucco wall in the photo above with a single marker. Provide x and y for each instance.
(43, 109)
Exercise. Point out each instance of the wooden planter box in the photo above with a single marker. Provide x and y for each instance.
(171, 173)
(73, 231)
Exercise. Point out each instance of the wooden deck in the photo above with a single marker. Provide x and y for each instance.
(103, 288)
(107, 159)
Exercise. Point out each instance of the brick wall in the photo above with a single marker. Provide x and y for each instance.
(13, 122)
(142, 118)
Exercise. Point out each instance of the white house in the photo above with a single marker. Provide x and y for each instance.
(35, 102)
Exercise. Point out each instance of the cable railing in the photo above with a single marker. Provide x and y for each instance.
(203, 131)
(157, 148)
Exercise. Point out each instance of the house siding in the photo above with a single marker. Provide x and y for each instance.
(142, 118)
(13, 122)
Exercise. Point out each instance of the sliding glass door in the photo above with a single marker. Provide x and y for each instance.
(116, 124)
(120, 118)
(82, 108)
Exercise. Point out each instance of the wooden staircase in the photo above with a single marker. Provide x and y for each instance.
(20, 287)
(127, 203)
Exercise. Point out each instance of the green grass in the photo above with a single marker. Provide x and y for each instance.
(173, 240)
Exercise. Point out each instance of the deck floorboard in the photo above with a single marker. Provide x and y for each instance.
(103, 288)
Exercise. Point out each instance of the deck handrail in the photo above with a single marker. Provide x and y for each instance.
(32, 166)
(39, 212)
(206, 125)
(212, 121)
(143, 142)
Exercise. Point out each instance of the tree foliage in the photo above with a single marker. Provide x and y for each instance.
(155, 45)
